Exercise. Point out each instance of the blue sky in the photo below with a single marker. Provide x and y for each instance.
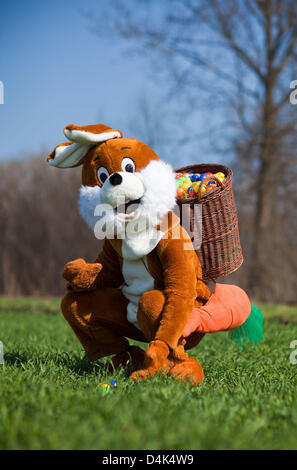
(56, 71)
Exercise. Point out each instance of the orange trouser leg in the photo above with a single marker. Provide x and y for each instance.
(99, 320)
(149, 316)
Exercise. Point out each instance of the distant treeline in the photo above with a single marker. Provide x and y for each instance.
(41, 228)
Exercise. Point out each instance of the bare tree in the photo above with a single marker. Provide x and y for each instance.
(238, 58)
(145, 124)
(148, 123)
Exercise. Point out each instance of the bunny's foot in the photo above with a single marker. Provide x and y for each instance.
(185, 368)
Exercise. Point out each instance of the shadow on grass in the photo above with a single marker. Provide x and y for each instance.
(77, 365)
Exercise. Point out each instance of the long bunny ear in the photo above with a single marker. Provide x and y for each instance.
(68, 155)
(82, 138)
(92, 134)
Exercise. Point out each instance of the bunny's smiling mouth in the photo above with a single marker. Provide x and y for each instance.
(128, 210)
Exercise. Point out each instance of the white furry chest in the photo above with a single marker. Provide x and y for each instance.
(137, 281)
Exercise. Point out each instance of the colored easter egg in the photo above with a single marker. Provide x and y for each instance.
(208, 173)
(195, 178)
(220, 175)
(196, 186)
(114, 383)
(202, 176)
(185, 185)
(105, 388)
(179, 182)
(191, 191)
(180, 193)
(211, 182)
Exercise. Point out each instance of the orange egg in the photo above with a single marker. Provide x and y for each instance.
(180, 193)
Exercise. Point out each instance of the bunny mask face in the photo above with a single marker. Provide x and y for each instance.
(125, 186)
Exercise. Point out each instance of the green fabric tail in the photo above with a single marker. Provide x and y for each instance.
(251, 330)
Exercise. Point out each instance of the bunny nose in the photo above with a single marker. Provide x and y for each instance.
(115, 179)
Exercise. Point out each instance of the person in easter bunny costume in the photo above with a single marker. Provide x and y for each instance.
(144, 284)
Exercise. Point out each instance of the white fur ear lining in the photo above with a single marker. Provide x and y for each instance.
(84, 137)
(66, 156)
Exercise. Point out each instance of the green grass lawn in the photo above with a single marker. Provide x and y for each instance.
(51, 396)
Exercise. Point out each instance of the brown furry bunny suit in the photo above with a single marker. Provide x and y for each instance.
(146, 280)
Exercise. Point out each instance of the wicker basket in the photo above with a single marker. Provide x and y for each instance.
(220, 250)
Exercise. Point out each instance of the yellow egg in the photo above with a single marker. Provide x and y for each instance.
(221, 176)
(196, 186)
(186, 185)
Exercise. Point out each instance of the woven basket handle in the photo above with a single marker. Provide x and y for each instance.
(208, 178)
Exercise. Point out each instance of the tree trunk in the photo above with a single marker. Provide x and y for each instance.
(263, 224)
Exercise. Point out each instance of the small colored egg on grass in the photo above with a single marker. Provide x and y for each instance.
(105, 388)
(114, 383)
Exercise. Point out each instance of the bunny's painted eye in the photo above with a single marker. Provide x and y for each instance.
(128, 165)
(102, 174)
